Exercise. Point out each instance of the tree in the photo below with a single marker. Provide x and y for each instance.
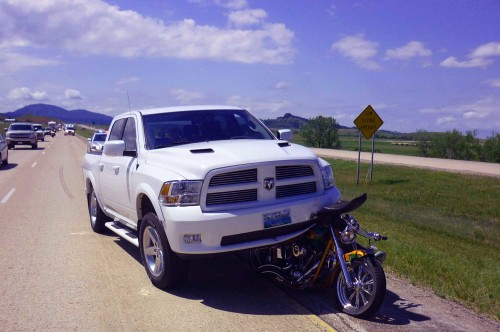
(423, 143)
(492, 149)
(321, 132)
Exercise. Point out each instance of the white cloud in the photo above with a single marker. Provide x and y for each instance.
(472, 63)
(410, 50)
(487, 50)
(483, 113)
(72, 94)
(480, 57)
(445, 120)
(14, 61)
(359, 50)
(185, 97)
(231, 4)
(93, 27)
(495, 83)
(127, 80)
(247, 17)
(281, 86)
(26, 94)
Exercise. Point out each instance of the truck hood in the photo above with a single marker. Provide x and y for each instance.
(194, 161)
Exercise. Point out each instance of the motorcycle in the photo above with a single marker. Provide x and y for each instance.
(327, 256)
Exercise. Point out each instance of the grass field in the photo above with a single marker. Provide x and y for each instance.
(443, 228)
(381, 145)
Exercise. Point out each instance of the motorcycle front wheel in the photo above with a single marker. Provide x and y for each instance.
(368, 291)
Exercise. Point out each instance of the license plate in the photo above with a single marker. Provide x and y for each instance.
(277, 218)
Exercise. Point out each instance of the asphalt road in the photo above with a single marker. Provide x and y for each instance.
(57, 275)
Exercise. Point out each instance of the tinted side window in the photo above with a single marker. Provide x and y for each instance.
(129, 135)
(117, 130)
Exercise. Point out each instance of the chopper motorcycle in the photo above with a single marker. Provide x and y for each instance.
(328, 257)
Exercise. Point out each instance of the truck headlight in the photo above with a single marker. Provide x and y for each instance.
(180, 193)
(327, 173)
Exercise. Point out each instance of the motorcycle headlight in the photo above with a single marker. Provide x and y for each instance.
(180, 193)
(347, 236)
(327, 173)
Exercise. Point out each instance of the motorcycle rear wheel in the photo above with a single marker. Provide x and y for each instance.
(368, 291)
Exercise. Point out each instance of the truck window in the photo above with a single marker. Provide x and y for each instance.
(129, 135)
(117, 130)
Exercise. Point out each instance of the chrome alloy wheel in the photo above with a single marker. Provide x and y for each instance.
(361, 293)
(93, 209)
(153, 251)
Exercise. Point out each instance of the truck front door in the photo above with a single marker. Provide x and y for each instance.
(117, 172)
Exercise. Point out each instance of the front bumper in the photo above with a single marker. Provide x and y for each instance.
(240, 229)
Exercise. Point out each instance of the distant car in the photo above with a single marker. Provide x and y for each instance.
(39, 132)
(69, 130)
(97, 141)
(4, 151)
(21, 133)
(48, 131)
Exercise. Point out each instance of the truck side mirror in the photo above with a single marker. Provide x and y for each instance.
(114, 148)
(285, 134)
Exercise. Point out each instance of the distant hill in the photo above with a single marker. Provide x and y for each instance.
(60, 114)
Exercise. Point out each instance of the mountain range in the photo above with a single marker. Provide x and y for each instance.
(59, 114)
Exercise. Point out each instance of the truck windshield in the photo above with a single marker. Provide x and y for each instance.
(176, 128)
(20, 127)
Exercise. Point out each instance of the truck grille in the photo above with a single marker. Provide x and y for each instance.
(19, 136)
(295, 171)
(245, 176)
(247, 185)
(231, 197)
(295, 189)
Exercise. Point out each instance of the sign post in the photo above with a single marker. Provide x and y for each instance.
(368, 122)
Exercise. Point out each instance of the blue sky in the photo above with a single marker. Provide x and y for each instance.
(432, 65)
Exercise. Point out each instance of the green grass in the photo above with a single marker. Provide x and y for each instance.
(87, 133)
(381, 145)
(443, 228)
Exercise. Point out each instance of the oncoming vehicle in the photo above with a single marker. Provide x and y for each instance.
(39, 132)
(21, 133)
(4, 151)
(48, 131)
(97, 141)
(69, 130)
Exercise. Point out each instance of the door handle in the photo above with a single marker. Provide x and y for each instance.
(101, 167)
(116, 168)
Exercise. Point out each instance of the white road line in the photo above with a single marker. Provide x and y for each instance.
(7, 197)
(34, 164)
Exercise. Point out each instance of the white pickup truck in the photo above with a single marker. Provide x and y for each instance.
(180, 182)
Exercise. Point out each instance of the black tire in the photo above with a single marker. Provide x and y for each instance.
(6, 161)
(164, 268)
(10, 146)
(34, 146)
(368, 293)
(97, 217)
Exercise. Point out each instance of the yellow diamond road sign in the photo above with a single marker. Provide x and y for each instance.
(368, 122)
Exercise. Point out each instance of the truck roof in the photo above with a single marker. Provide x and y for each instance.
(184, 109)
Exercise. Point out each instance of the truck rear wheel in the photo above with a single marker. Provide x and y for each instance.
(97, 216)
(164, 268)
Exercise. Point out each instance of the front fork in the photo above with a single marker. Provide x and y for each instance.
(340, 257)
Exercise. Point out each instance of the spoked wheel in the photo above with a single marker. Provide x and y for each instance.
(97, 216)
(164, 268)
(368, 291)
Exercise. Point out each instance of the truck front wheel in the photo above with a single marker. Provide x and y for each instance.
(164, 268)
(97, 216)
